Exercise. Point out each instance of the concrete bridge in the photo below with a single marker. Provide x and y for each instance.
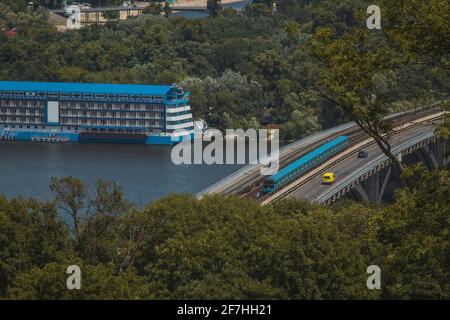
(366, 179)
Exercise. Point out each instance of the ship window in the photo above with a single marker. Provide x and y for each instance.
(65, 95)
(147, 97)
(100, 96)
(7, 93)
(76, 95)
(42, 94)
(123, 97)
(18, 94)
(134, 97)
(52, 94)
(88, 95)
(111, 96)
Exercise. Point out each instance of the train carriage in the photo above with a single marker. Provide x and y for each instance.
(305, 163)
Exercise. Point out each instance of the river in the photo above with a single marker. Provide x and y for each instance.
(201, 14)
(145, 172)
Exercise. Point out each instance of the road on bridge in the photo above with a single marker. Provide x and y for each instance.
(314, 188)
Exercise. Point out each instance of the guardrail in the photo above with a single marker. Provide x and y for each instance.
(377, 162)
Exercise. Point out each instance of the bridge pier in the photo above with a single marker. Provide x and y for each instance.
(434, 155)
(426, 156)
(373, 189)
(376, 186)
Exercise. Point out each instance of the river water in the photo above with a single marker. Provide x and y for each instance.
(201, 14)
(145, 172)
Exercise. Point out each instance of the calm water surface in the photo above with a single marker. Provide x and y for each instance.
(145, 172)
(202, 14)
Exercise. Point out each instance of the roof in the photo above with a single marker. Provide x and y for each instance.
(99, 88)
(10, 33)
(310, 155)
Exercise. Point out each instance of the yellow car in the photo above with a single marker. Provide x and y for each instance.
(328, 178)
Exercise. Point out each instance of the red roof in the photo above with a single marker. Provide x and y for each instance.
(10, 33)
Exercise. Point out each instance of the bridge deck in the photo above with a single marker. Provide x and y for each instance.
(314, 188)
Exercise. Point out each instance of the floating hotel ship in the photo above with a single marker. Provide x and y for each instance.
(89, 112)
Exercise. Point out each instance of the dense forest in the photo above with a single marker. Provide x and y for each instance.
(311, 65)
(225, 248)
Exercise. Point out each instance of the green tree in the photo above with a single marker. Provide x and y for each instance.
(70, 197)
(419, 31)
(97, 282)
(357, 76)
(30, 235)
(111, 15)
(153, 9)
(230, 248)
(414, 234)
(93, 222)
(167, 9)
(214, 7)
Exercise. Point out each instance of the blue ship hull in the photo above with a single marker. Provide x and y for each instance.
(76, 137)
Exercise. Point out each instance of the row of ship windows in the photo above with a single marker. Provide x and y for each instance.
(27, 112)
(84, 129)
(24, 117)
(86, 105)
(81, 95)
(21, 103)
(21, 126)
(21, 120)
(120, 114)
(146, 123)
(105, 114)
(112, 106)
(120, 130)
(40, 120)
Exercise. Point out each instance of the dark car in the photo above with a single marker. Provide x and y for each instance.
(362, 154)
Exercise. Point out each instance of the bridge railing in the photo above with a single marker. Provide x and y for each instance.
(377, 162)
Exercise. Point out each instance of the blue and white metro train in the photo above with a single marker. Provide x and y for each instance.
(305, 163)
